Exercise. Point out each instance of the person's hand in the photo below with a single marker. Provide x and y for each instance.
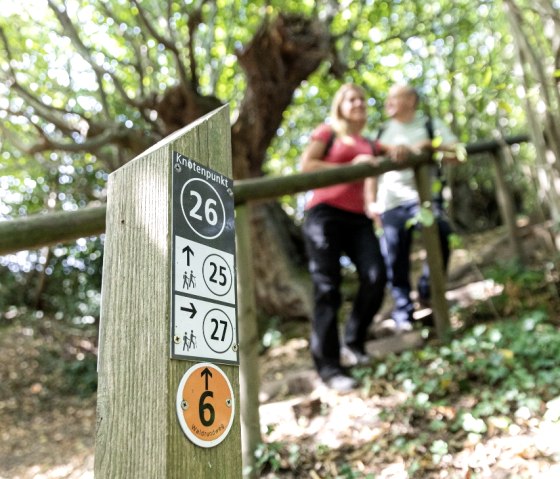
(452, 155)
(373, 210)
(398, 153)
(424, 145)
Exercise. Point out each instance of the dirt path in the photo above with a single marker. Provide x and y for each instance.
(44, 435)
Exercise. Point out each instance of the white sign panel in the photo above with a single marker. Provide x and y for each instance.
(204, 330)
(204, 271)
(203, 279)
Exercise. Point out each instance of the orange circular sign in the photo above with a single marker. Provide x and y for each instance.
(205, 404)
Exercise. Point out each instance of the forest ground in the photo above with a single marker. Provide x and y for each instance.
(47, 433)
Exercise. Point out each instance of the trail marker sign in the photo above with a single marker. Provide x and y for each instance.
(169, 269)
(203, 289)
(205, 404)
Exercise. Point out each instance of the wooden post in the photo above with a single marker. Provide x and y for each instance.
(139, 434)
(430, 236)
(249, 344)
(506, 205)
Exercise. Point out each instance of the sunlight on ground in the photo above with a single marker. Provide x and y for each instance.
(476, 291)
(79, 467)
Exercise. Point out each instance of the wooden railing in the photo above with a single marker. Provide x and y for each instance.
(51, 228)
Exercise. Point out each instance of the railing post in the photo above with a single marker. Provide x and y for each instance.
(166, 411)
(249, 380)
(506, 205)
(430, 236)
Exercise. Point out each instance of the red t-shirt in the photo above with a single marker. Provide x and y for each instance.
(346, 196)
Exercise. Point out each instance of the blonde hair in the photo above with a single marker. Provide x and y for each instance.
(339, 123)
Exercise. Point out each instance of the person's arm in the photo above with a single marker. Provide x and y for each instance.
(371, 207)
(370, 196)
(312, 158)
(396, 153)
(451, 153)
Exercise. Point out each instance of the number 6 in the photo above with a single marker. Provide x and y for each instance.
(210, 212)
(206, 407)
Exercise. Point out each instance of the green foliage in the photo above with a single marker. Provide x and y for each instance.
(75, 375)
(514, 272)
(458, 53)
(489, 378)
(72, 281)
(523, 287)
(81, 376)
(496, 369)
(424, 217)
(347, 472)
(274, 456)
(272, 336)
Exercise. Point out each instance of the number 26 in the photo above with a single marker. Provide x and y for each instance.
(210, 214)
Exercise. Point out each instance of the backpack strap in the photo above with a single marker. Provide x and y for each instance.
(330, 143)
(380, 131)
(375, 149)
(430, 127)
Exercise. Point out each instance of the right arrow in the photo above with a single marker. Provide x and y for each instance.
(191, 310)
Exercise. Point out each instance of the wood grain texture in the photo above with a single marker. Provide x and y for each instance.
(138, 434)
(431, 240)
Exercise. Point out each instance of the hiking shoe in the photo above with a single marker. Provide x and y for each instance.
(404, 327)
(390, 327)
(341, 383)
(352, 357)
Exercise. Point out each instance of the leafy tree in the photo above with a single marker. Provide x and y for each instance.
(535, 27)
(86, 86)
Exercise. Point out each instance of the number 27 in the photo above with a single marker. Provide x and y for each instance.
(214, 335)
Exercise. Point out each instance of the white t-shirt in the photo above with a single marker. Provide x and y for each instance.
(398, 186)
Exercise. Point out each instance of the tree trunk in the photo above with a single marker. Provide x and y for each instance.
(282, 54)
(282, 287)
(536, 68)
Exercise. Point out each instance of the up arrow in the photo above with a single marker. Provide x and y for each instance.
(189, 251)
(191, 310)
(206, 373)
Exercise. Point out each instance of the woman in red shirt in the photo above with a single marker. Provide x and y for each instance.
(336, 224)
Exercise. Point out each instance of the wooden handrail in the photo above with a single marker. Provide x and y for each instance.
(51, 228)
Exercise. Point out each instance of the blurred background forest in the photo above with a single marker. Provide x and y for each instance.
(85, 86)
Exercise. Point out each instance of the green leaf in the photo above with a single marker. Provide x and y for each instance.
(487, 77)
(426, 217)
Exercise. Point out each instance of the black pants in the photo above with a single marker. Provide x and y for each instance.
(329, 233)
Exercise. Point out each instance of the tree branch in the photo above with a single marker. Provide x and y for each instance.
(50, 113)
(169, 44)
(281, 54)
(146, 100)
(194, 21)
(70, 30)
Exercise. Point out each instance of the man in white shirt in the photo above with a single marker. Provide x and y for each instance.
(407, 131)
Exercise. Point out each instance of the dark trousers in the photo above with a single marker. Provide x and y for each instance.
(396, 243)
(329, 233)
